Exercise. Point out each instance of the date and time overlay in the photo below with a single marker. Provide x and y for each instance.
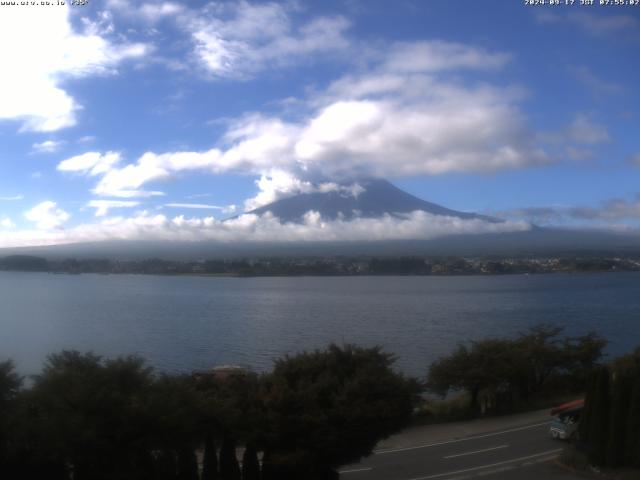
(528, 3)
(582, 3)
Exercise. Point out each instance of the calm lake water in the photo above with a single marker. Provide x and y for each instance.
(184, 323)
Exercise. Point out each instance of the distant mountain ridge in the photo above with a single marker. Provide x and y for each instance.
(375, 198)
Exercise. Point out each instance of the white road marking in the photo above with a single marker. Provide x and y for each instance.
(354, 470)
(482, 467)
(466, 439)
(476, 451)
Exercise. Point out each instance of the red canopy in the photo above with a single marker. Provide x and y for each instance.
(568, 406)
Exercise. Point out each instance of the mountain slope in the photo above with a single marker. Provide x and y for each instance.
(375, 199)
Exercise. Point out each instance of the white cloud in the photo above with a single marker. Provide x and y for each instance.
(598, 24)
(279, 184)
(578, 139)
(7, 223)
(130, 193)
(404, 115)
(386, 121)
(151, 12)
(545, 16)
(12, 198)
(156, 11)
(275, 185)
(48, 146)
(126, 181)
(203, 206)
(634, 160)
(448, 129)
(598, 86)
(585, 130)
(575, 153)
(238, 39)
(266, 228)
(90, 163)
(592, 24)
(437, 56)
(612, 210)
(47, 216)
(103, 206)
(38, 51)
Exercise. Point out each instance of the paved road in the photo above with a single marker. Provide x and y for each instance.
(519, 452)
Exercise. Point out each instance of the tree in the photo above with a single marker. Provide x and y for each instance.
(489, 370)
(581, 355)
(540, 346)
(187, 464)
(498, 373)
(166, 465)
(587, 411)
(250, 464)
(210, 460)
(10, 384)
(91, 414)
(598, 428)
(618, 422)
(632, 444)
(328, 408)
(229, 468)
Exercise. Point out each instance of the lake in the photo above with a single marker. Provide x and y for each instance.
(184, 323)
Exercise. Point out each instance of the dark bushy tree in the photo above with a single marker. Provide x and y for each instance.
(586, 414)
(629, 366)
(166, 465)
(610, 423)
(10, 384)
(229, 467)
(499, 373)
(598, 428)
(187, 464)
(328, 408)
(541, 355)
(632, 444)
(91, 414)
(250, 463)
(618, 422)
(210, 459)
(579, 357)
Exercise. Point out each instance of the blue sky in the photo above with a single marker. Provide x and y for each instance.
(158, 120)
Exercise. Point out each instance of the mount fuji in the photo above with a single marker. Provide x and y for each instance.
(368, 198)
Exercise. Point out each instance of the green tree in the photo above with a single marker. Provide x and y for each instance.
(587, 412)
(187, 464)
(489, 370)
(581, 355)
(91, 414)
(540, 346)
(250, 463)
(328, 408)
(499, 373)
(618, 423)
(632, 444)
(229, 467)
(210, 459)
(166, 465)
(598, 427)
(174, 412)
(10, 384)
